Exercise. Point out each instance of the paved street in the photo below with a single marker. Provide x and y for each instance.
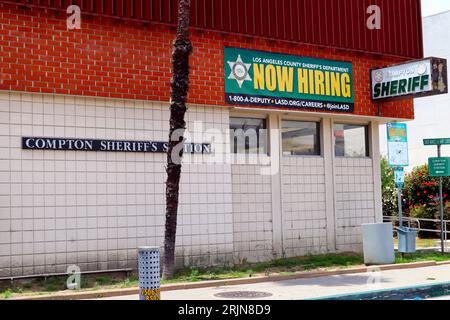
(323, 286)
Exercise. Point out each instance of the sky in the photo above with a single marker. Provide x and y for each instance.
(430, 7)
(429, 110)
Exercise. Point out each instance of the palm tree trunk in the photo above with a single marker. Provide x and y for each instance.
(179, 90)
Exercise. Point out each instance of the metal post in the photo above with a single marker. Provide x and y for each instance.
(442, 205)
(442, 214)
(149, 273)
(400, 209)
(445, 237)
(400, 218)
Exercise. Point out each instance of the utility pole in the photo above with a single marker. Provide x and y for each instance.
(400, 209)
(439, 167)
(441, 197)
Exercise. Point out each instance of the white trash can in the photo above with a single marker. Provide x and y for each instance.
(378, 243)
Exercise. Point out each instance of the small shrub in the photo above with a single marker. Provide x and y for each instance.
(389, 192)
(425, 212)
(421, 196)
(103, 280)
(7, 294)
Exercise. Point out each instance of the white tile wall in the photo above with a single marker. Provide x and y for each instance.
(94, 209)
(355, 203)
(304, 206)
(252, 214)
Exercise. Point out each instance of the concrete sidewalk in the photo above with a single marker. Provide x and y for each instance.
(320, 287)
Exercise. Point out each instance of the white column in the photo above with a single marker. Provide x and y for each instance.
(375, 152)
(277, 210)
(328, 154)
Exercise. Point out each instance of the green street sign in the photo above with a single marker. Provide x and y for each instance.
(436, 142)
(439, 167)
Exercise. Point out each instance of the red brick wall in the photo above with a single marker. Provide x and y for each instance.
(112, 58)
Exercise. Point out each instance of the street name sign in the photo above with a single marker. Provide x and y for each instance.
(436, 142)
(439, 167)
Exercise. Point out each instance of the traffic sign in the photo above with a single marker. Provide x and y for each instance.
(399, 178)
(436, 142)
(439, 167)
(397, 139)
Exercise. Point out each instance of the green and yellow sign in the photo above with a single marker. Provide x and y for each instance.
(275, 80)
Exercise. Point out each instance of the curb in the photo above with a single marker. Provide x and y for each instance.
(219, 283)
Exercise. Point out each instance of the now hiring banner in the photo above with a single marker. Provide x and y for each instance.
(258, 78)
